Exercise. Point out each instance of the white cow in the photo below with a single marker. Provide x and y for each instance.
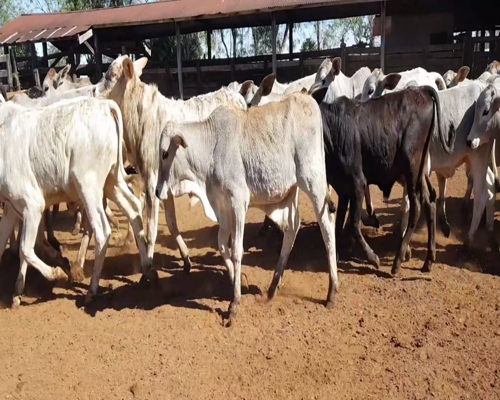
(452, 78)
(377, 83)
(261, 158)
(65, 152)
(145, 112)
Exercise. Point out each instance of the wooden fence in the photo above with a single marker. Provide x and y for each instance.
(203, 76)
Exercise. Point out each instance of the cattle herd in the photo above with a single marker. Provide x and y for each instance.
(241, 146)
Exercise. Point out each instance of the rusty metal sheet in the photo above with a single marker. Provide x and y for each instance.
(69, 25)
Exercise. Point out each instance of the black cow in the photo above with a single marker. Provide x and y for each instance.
(379, 142)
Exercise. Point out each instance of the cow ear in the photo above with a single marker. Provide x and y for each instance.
(319, 94)
(63, 74)
(139, 65)
(179, 140)
(336, 66)
(128, 68)
(52, 73)
(461, 74)
(245, 87)
(391, 81)
(266, 85)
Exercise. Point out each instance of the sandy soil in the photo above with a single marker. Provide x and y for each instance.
(417, 336)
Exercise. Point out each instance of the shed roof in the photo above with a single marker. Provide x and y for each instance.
(49, 27)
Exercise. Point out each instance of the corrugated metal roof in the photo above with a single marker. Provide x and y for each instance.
(46, 27)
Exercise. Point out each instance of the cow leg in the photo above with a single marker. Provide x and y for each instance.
(356, 205)
(50, 231)
(289, 236)
(430, 211)
(55, 211)
(237, 231)
(15, 246)
(32, 218)
(468, 192)
(78, 222)
(372, 219)
(413, 219)
(405, 211)
(7, 224)
(490, 209)
(171, 218)
(484, 190)
(46, 248)
(77, 271)
(493, 166)
(153, 209)
(111, 217)
(441, 206)
(102, 231)
(223, 238)
(131, 207)
(341, 212)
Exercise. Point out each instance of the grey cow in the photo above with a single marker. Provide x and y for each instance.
(261, 158)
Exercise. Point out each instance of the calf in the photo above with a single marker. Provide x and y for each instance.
(62, 153)
(260, 157)
(379, 142)
(145, 112)
(452, 78)
(377, 83)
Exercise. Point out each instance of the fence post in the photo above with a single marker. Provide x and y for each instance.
(273, 43)
(179, 60)
(382, 39)
(343, 57)
(36, 75)
(9, 71)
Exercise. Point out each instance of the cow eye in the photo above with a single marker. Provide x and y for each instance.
(164, 155)
(370, 91)
(46, 88)
(486, 112)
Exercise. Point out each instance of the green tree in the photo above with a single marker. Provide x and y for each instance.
(308, 45)
(166, 48)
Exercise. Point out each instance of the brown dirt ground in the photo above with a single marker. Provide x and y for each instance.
(407, 338)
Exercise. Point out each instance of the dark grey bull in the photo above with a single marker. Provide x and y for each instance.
(379, 142)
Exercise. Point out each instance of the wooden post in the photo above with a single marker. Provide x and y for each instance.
(290, 39)
(382, 39)
(71, 58)
(343, 57)
(170, 84)
(199, 85)
(15, 72)
(209, 44)
(36, 75)
(273, 42)
(34, 61)
(6, 51)
(45, 62)
(124, 50)
(179, 60)
(98, 57)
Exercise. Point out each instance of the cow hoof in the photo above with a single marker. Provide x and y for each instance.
(445, 228)
(330, 304)
(59, 274)
(187, 265)
(408, 254)
(375, 261)
(16, 302)
(395, 270)
(233, 308)
(150, 279)
(88, 298)
(371, 221)
(77, 274)
(271, 292)
(426, 268)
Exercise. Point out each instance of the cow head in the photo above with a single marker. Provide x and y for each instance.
(327, 72)
(248, 90)
(486, 125)
(493, 68)
(57, 82)
(452, 78)
(121, 74)
(173, 166)
(377, 83)
(262, 92)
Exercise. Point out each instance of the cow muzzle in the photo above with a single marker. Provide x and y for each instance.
(473, 144)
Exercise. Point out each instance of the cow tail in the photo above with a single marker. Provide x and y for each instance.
(117, 116)
(448, 147)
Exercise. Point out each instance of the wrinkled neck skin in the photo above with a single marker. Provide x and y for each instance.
(195, 162)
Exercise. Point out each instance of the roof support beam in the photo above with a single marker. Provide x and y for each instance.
(290, 39)
(98, 57)
(382, 39)
(179, 60)
(209, 44)
(273, 42)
